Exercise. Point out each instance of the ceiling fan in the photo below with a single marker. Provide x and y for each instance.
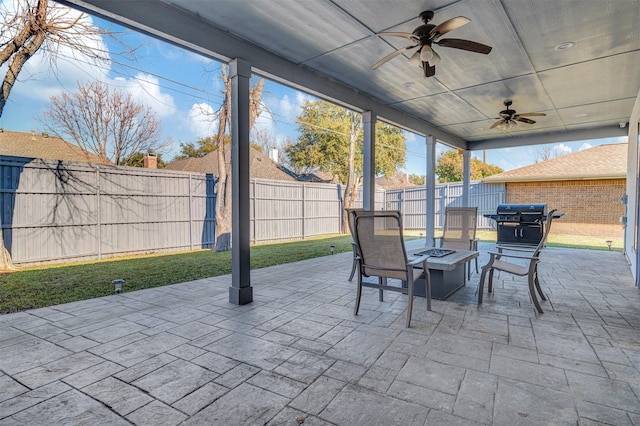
(428, 34)
(509, 118)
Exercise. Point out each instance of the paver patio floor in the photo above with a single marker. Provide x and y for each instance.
(182, 354)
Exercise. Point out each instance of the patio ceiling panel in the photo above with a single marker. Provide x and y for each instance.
(597, 29)
(272, 25)
(380, 15)
(590, 82)
(604, 111)
(443, 109)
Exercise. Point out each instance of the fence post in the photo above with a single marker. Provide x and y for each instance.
(191, 215)
(98, 218)
(253, 211)
(304, 219)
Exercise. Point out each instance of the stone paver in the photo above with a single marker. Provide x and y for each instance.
(181, 354)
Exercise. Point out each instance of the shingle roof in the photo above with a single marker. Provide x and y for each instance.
(600, 162)
(36, 145)
(260, 166)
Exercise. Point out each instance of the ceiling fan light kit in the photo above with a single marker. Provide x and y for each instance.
(425, 36)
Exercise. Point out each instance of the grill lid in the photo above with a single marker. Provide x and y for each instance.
(522, 209)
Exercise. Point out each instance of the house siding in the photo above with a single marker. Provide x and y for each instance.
(591, 207)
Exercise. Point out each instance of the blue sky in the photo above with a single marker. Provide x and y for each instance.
(181, 87)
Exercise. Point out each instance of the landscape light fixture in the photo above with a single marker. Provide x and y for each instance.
(117, 285)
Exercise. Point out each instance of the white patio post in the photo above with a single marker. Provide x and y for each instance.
(430, 187)
(240, 292)
(369, 161)
(466, 177)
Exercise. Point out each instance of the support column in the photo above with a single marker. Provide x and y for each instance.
(430, 184)
(369, 161)
(240, 292)
(466, 177)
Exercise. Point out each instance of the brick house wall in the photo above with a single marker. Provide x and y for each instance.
(591, 207)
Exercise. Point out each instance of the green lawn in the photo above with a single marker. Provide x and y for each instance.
(42, 286)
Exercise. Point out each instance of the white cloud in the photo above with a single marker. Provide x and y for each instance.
(145, 89)
(201, 120)
(584, 146)
(561, 149)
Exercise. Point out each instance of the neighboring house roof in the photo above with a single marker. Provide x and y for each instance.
(600, 162)
(260, 166)
(42, 145)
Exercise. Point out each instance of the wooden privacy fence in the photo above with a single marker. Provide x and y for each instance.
(55, 211)
(412, 202)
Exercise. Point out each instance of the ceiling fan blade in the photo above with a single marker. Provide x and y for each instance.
(496, 124)
(429, 70)
(524, 120)
(449, 25)
(390, 57)
(469, 45)
(532, 114)
(399, 34)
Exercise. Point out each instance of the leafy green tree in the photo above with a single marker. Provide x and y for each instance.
(450, 165)
(331, 140)
(204, 146)
(137, 160)
(417, 179)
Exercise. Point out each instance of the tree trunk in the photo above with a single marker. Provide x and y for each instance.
(351, 187)
(223, 198)
(22, 47)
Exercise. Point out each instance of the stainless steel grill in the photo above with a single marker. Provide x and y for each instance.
(520, 223)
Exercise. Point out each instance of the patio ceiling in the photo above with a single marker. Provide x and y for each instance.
(327, 48)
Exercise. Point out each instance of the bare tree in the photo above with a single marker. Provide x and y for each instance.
(223, 197)
(38, 24)
(544, 153)
(548, 152)
(108, 123)
(31, 25)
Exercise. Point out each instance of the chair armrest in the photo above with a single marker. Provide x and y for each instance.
(416, 262)
(516, 247)
(473, 244)
(525, 249)
(516, 256)
(439, 238)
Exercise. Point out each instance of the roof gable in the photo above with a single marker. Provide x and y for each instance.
(600, 162)
(261, 166)
(42, 145)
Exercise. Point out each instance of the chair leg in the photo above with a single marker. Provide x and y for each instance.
(355, 261)
(427, 288)
(532, 292)
(490, 287)
(381, 281)
(353, 269)
(537, 283)
(481, 283)
(410, 298)
(358, 292)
